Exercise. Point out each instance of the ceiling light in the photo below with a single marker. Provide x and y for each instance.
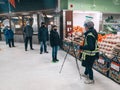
(49, 16)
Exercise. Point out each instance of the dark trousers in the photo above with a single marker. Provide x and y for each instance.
(26, 42)
(11, 42)
(54, 52)
(88, 68)
(43, 45)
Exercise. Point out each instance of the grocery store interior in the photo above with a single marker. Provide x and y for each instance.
(30, 70)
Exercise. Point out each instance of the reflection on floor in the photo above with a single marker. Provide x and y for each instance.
(21, 70)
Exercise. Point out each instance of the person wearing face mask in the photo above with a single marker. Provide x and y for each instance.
(89, 51)
(9, 36)
(54, 42)
(43, 37)
(28, 33)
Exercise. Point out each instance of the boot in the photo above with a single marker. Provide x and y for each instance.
(88, 81)
(56, 59)
(85, 76)
(53, 60)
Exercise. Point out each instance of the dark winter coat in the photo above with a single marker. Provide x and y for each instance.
(43, 34)
(9, 34)
(91, 41)
(54, 38)
(91, 45)
(28, 31)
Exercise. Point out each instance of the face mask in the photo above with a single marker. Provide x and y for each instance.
(55, 29)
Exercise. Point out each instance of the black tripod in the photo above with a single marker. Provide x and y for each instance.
(71, 45)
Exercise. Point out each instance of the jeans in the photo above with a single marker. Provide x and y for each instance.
(54, 52)
(43, 45)
(26, 42)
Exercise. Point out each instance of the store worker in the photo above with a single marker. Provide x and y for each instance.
(89, 51)
(54, 42)
(43, 37)
(28, 33)
(9, 36)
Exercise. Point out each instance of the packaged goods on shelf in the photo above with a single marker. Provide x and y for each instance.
(102, 65)
(114, 72)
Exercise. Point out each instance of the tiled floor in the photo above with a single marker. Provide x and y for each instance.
(20, 70)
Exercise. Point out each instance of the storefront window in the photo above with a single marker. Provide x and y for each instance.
(16, 24)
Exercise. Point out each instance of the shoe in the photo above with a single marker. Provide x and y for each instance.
(85, 76)
(46, 52)
(40, 52)
(53, 61)
(13, 46)
(25, 49)
(32, 49)
(57, 60)
(88, 81)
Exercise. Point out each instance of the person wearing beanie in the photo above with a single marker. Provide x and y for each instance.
(43, 37)
(89, 50)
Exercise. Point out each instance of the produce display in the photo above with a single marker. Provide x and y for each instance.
(108, 44)
(109, 62)
(114, 72)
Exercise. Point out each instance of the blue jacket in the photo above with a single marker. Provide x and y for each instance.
(9, 34)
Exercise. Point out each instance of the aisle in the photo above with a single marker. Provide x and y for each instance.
(20, 70)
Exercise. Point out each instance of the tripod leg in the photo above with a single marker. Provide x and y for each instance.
(64, 59)
(77, 63)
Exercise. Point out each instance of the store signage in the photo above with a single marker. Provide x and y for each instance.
(69, 23)
(115, 66)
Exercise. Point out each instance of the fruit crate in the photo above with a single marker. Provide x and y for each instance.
(114, 72)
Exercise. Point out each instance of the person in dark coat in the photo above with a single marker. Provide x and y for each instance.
(28, 33)
(43, 37)
(9, 36)
(89, 50)
(54, 42)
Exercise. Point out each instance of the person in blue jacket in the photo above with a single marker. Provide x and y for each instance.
(6, 40)
(54, 42)
(10, 36)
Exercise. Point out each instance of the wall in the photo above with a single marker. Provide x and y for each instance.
(64, 4)
(100, 5)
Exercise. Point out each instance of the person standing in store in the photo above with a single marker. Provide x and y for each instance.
(89, 51)
(43, 37)
(9, 36)
(54, 42)
(28, 33)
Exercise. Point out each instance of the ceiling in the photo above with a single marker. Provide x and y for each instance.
(28, 5)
